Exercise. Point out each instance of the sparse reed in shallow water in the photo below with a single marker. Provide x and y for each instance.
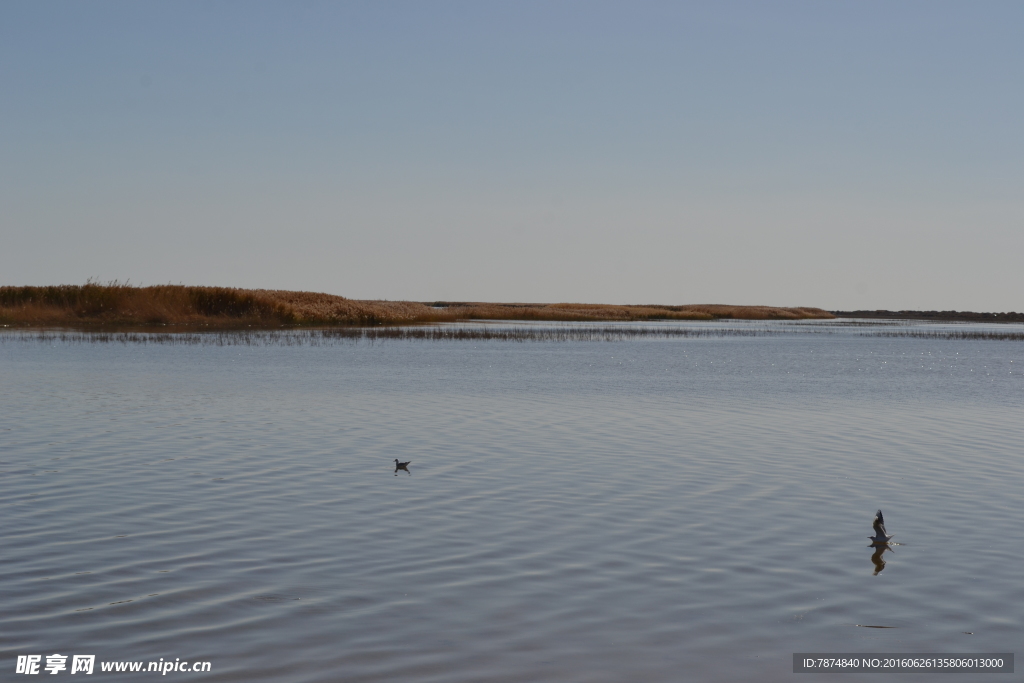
(327, 336)
(335, 335)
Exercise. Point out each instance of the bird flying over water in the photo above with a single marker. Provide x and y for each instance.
(879, 526)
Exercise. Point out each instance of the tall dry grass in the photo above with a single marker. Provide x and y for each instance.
(117, 303)
(123, 304)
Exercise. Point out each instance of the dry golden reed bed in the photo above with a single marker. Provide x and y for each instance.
(94, 304)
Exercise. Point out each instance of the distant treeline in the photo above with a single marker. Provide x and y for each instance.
(938, 316)
(115, 304)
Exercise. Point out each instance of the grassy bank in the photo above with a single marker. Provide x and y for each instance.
(116, 304)
(607, 312)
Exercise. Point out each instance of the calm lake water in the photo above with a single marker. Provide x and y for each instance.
(654, 509)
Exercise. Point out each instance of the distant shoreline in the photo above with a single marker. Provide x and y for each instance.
(93, 305)
(116, 305)
(936, 316)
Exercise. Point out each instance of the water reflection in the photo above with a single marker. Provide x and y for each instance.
(509, 539)
(876, 558)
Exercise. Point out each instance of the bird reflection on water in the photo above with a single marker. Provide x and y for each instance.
(877, 558)
(402, 466)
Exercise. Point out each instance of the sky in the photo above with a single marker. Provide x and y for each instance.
(845, 155)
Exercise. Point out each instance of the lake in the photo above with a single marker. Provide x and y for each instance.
(657, 508)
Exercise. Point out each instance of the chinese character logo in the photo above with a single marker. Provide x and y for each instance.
(55, 663)
(28, 664)
(82, 663)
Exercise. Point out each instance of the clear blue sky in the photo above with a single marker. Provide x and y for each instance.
(833, 154)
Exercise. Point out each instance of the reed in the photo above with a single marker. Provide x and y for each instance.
(330, 336)
(117, 303)
(120, 304)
